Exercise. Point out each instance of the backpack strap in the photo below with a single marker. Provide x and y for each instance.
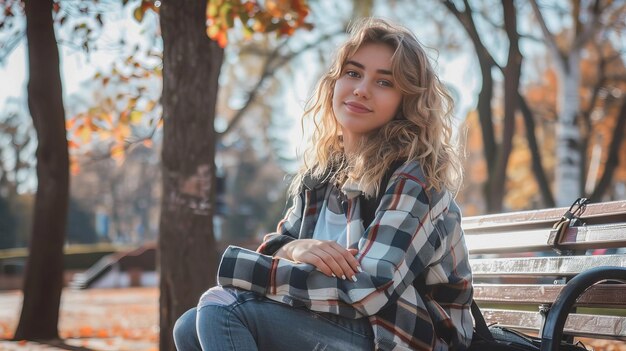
(370, 204)
(480, 325)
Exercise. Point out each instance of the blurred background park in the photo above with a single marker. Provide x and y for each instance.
(168, 174)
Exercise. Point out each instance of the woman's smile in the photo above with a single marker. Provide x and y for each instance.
(356, 107)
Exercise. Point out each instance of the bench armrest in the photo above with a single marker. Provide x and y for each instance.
(555, 322)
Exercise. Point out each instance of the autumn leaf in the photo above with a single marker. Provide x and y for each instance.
(138, 14)
(74, 168)
(211, 10)
(69, 123)
(212, 31)
(71, 144)
(222, 39)
(117, 152)
(135, 117)
(86, 331)
(104, 134)
(102, 333)
(150, 105)
(124, 116)
(84, 134)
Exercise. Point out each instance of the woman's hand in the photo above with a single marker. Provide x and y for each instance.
(326, 255)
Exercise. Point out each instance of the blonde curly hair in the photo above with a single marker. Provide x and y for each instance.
(421, 131)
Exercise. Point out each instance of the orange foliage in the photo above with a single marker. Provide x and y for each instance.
(108, 128)
(280, 16)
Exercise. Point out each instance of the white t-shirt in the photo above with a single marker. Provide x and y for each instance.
(332, 222)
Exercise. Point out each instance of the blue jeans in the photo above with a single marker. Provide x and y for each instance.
(254, 322)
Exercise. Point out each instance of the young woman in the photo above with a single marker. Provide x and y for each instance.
(371, 255)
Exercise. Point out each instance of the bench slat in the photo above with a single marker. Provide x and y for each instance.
(605, 327)
(600, 212)
(605, 236)
(576, 238)
(502, 242)
(602, 295)
(541, 266)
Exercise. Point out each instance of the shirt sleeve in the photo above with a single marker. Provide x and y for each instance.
(287, 229)
(399, 244)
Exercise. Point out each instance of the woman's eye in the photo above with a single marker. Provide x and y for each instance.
(352, 74)
(385, 83)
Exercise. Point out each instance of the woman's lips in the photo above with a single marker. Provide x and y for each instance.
(357, 107)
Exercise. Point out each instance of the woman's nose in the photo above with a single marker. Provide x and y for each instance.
(362, 90)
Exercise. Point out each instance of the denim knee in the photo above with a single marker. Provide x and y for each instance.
(185, 335)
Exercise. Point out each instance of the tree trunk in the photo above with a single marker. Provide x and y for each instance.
(187, 253)
(512, 73)
(569, 183)
(568, 171)
(44, 269)
(612, 160)
(537, 164)
(486, 127)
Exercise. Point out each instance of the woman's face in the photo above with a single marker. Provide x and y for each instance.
(365, 95)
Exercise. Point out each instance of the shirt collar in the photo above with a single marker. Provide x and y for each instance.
(351, 189)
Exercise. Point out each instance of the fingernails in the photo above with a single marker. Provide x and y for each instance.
(354, 278)
(359, 269)
(343, 277)
(334, 276)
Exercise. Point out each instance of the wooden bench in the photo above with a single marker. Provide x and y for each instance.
(521, 266)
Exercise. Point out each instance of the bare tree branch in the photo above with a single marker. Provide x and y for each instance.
(601, 68)
(588, 30)
(548, 36)
(465, 18)
(531, 37)
(268, 71)
(616, 77)
(13, 41)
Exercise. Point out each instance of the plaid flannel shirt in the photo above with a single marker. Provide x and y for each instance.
(416, 284)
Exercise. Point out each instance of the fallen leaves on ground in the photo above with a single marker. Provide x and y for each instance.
(119, 320)
(96, 319)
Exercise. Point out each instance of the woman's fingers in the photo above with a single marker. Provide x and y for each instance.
(319, 263)
(335, 260)
(345, 259)
(327, 256)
